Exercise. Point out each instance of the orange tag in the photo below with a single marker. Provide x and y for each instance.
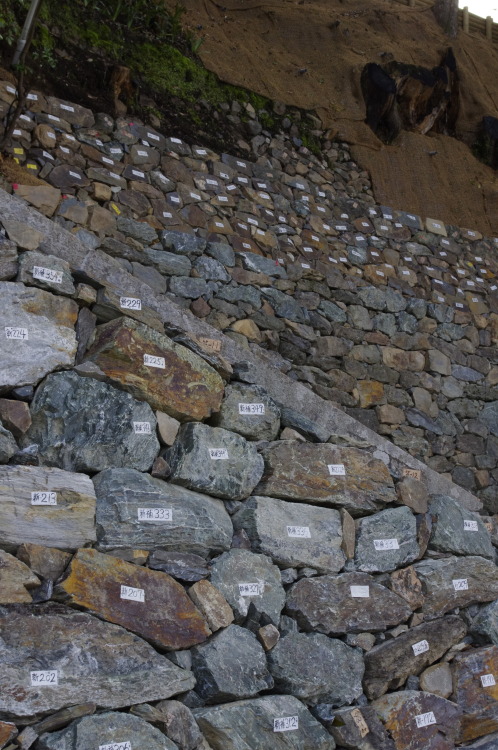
(413, 473)
(210, 345)
(360, 722)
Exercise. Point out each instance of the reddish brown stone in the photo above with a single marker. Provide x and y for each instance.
(7, 732)
(370, 393)
(185, 387)
(15, 416)
(479, 703)
(406, 584)
(167, 617)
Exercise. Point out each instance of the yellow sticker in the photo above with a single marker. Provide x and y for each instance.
(16, 160)
(31, 166)
(115, 208)
(19, 151)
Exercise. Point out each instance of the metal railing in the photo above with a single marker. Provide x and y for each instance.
(469, 22)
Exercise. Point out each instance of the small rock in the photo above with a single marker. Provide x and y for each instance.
(212, 605)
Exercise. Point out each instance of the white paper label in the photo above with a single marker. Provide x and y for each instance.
(155, 514)
(66, 107)
(47, 274)
(470, 526)
(142, 428)
(175, 140)
(130, 303)
(251, 408)
(458, 304)
(116, 746)
(106, 160)
(305, 265)
(286, 724)
(152, 361)
(137, 173)
(423, 720)
(360, 592)
(219, 224)
(75, 175)
(43, 498)
(54, 118)
(246, 245)
(201, 151)
(12, 332)
(341, 228)
(114, 175)
(241, 164)
(153, 137)
(405, 272)
(299, 532)
(380, 273)
(308, 249)
(44, 677)
(11, 89)
(32, 97)
(142, 153)
(251, 589)
(460, 584)
(337, 470)
(65, 150)
(218, 454)
(174, 198)
(167, 215)
(388, 216)
(134, 595)
(420, 647)
(385, 544)
(487, 680)
(223, 198)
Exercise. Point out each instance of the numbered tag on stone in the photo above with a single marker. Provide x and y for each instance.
(460, 584)
(152, 361)
(44, 677)
(470, 526)
(337, 470)
(299, 532)
(251, 408)
(20, 334)
(251, 589)
(155, 514)
(218, 454)
(488, 680)
(360, 592)
(142, 428)
(385, 544)
(44, 498)
(286, 724)
(420, 647)
(412, 473)
(116, 746)
(424, 720)
(130, 303)
(360, 722)
(47, 274)
(134, 595)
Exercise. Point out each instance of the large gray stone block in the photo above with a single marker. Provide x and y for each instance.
(457, 530)
(386, 541)
(249, 410)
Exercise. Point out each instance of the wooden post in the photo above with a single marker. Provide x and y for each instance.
(465, 19)
(489, 28)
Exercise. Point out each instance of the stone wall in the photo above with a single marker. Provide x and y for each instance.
(198, 547)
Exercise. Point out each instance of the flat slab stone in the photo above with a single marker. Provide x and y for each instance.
(386, 541)
(456, 529)
(230, 666)
(153, 368)
(46, 271)
(335, 605)
(15, 580)
(137, 511)
(250, 411)
(232, 573)
(317, 669)
(108, 730)
(214, 461)
(456, 582)
(355, 727)
(388, 665)
(52, 637)
(251, 724)
(81, 424)
(473, 671)
(45, 506)
(300, 471)
(293, 534)
(162, 612)
(37, 334)
(399, 712)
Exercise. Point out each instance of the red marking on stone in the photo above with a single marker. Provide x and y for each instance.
(14, 186)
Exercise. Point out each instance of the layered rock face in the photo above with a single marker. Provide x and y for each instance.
(187, 561)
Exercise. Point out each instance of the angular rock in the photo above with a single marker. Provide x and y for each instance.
(251, 724)
(399, 712)
(386, 541)
(486, 743)
(175, 380)
(307, 427)
(317, 669)
(250, 411)
(24, 235)
(326, 604)
(8, 446)
(137, 511)
(413, 494)
(214, 461)
(15, 416)
(388, 665)
(43, 197)
(47, 562)
(438, 680)
(175, 720)
(247, 580)
(38, 334)
(161, 611)
(355, 728)
(456, 582)
(47, 272)
(106, 730)
(212, 605)
(53, 637)
(473, 671)
(230, 666)
(489, 416)
(15, 580)
(45, 506)
(181, 565)
(293, 534)
(457, 530)
(300, 472)
(486, 623)
(81, 424)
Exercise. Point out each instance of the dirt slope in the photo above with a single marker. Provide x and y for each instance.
(310, 53)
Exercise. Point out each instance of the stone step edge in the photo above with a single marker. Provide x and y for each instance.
(106, 271)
